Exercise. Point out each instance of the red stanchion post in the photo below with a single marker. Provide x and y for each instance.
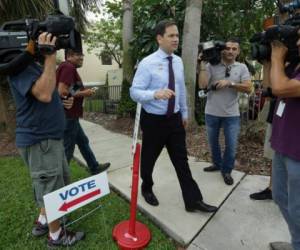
(132, 234)
(134, 189)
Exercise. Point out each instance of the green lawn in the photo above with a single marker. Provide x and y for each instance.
(18, 212)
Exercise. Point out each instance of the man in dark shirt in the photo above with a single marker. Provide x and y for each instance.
(39, 136)
(70, 84)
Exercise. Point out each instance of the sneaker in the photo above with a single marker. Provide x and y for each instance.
(101, 168)
(39, 229)
(66, 238)
(104, 166)
(64, 220)
(266, 194)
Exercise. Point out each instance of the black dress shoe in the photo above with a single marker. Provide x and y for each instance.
(150, 198)
(101, 168)
(104, 166)
(201, 206)
(211, 168)
(227, 178)
(266, 194)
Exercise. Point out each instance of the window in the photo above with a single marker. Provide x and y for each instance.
(106, 58)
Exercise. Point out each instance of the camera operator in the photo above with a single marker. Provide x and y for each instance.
(224, 80)
(285, 142)
(271, 99)
(39, 135)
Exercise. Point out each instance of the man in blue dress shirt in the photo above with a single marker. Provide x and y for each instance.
(159, 86)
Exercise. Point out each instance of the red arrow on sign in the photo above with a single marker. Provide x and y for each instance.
(67, 205)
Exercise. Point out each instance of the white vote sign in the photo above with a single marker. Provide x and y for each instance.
(136, 126)
(75, 195)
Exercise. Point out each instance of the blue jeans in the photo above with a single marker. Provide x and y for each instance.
(231, 127)
(73, 135)
(286, 193)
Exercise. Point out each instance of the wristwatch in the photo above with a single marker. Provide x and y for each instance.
(232, 83)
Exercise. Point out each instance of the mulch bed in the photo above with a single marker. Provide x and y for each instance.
(7, 145)
(249, 153)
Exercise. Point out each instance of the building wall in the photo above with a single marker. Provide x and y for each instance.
(92, 72)
(115, 77)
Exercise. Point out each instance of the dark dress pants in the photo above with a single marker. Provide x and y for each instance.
(159, 131)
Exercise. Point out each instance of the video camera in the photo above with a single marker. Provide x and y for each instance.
(287, 33)
(211, 51)
(288, 7)
(15, 35)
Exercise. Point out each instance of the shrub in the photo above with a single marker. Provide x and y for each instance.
(127, 106)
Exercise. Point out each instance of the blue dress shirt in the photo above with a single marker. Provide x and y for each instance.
(152, 75)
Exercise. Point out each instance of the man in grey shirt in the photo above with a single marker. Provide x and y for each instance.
(222, 110)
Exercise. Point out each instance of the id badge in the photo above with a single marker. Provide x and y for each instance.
(280, 109)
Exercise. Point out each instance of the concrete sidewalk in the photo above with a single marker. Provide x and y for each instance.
(240, 223)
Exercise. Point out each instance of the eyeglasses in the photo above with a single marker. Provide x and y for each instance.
(227, 71)
(231, 48)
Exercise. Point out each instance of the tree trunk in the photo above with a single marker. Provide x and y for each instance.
(127, 35)
(7, 108)
(191, 38)
(3, 110)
